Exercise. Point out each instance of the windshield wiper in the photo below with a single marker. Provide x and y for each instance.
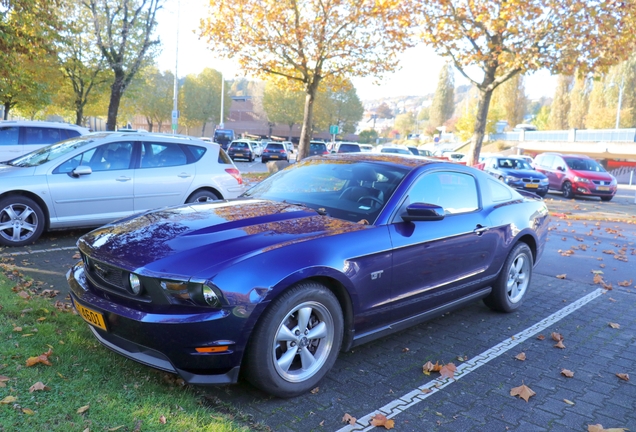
(321, 211)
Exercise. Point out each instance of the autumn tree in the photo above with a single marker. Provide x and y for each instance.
(124, 34)
(579, 103)
(384, 111)
(28, 32)
(560, 109)
(200, 100)
(283, 104)
(444, 98)
(82, 62)
(602, 110)
(338, 104)
(491, 41)
(405, 123)
(308, 41)
(510, 98)
(368, 136)
(156, 97)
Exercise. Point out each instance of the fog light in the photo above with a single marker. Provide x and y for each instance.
(135, 283)
(210, 296)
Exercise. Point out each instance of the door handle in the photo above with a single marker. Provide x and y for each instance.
(123, 179)
(480, 229)
(184, 175)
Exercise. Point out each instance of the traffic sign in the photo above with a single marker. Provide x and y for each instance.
(334, 129)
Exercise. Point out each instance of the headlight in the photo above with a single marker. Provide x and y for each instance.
(135, 283)
(512, 179)
(613, 182)
(210, 297)
(544, 181)
(581, 179)
(193, 291)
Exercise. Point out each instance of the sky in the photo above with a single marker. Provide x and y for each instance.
(417, 75)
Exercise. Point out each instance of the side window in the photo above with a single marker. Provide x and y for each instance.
(196, 152)
(455, 192)
(157, 155)
(9, 135)
(81, 159)
(224, 159)
(546, 162)
(70, 133)
(41, 135)
(498, 191)
(557, 162)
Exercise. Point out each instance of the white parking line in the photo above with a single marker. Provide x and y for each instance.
(413, 397)
(32, 252)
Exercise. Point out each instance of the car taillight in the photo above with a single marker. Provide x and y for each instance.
(265, 151)
(325, 152)
(235, 173)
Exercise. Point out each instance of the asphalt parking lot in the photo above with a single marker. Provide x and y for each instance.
(584, 283)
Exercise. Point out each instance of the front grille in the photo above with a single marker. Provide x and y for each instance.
(601, 182)
(106, 277)
(529, 180)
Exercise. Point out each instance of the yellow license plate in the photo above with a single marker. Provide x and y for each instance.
(92, 317)
(532, 185)
(603, 188)
(238, 154)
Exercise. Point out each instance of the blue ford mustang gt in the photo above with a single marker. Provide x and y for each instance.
(325, 255)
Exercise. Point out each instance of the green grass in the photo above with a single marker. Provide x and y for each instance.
(122, 395)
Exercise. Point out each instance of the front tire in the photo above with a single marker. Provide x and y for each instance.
(567, 190)
(295, 342)
(606, 198)
(21, 221)
(511, 285)
(202, 196)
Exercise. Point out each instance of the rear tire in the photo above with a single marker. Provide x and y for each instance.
(21, 221)
(296, 341)
(567, 190)
(202, 196)
(512, 284)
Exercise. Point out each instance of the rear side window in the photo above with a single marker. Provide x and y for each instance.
(9, 135)
(348, 148)
(224, 159)
(41, 135)
(156, 155)
(498, 191)
(557, 163)
(70, 133)
(196, 152)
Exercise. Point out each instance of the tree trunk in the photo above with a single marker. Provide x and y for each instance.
(7, 108)
(203, 129)
(291, 126)
(116, 92)
(481, 118)
(79, 112)
(306, 130)
(149, 121)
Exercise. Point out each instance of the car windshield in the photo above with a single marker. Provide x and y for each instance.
(53, 151)
(350, 190)
(514, 164)
(584, 165)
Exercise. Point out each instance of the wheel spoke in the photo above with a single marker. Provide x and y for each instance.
(6, 225)
(518, 265)
(16, 235)
(306, 358)
(318, 332)
(11, 213)
(285, 361)
(303, 318)
(285, 335)
(29, 227)
(26, 213)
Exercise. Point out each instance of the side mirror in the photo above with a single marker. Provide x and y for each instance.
(81, 170)
(560, 168)
(416, 212)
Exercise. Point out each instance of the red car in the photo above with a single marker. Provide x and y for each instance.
(576, 175)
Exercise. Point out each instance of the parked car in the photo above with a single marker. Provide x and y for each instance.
(451, 155)
(96, 178)
(348, 247)
(395, 150)
(317, 148)
(346, 147)
(289, 146)
(241, 149)
(517, 173)
(576, 175)
(257, 147)
(413, 150)
(274, 150)
(223, 137)
(366, 148)
(426, 153)
(18, 137)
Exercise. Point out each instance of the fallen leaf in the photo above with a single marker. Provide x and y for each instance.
(41, 319)
(614, 325)
(523, 391)
(348, 419)
(314, 391)
(7, 400)
(625, 283)
(599, 428)
(427, 391)
(612, 300)
(83, 409)
(17, 329)
(623, 376)
(39, 386)
(406, 350)
(567, 401)
(521, 356)
(559, 344)
(541, 337)
(609, 252)
(567, 373)
(28, 411)
(24, 295)
(42, 358)
(561, 276)
(162, 419)
(381, 420)
(448, 371)
(556, 336)
(115, 428)
(430, 367)
(598, 278)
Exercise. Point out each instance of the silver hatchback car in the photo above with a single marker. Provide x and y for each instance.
(96, 178)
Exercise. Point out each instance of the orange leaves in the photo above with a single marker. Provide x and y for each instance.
(561, 276)
(8, 400)
(567, 373)
(599, 428)
(614, 325)
(381, 420)
(3, 380)
(429, 367)
(42, 358)
(623, 376)
(347, 418)
(39, 386)
(446, 371)
(523, 391)
(625, 283)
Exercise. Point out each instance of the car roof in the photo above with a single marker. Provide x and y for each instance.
(38, 123)
(411, 161)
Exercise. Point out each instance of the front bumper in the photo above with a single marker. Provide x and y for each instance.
(581, 188)
(540, 189)
(165, 341)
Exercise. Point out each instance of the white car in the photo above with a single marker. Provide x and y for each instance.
(258, 148)
(18, 137)
(96, 178)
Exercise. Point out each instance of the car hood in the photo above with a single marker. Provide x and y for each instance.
(200, 236)
(593, 175)
(523, 173)
(13, 171)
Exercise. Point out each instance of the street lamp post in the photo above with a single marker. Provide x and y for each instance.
(620, 101)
